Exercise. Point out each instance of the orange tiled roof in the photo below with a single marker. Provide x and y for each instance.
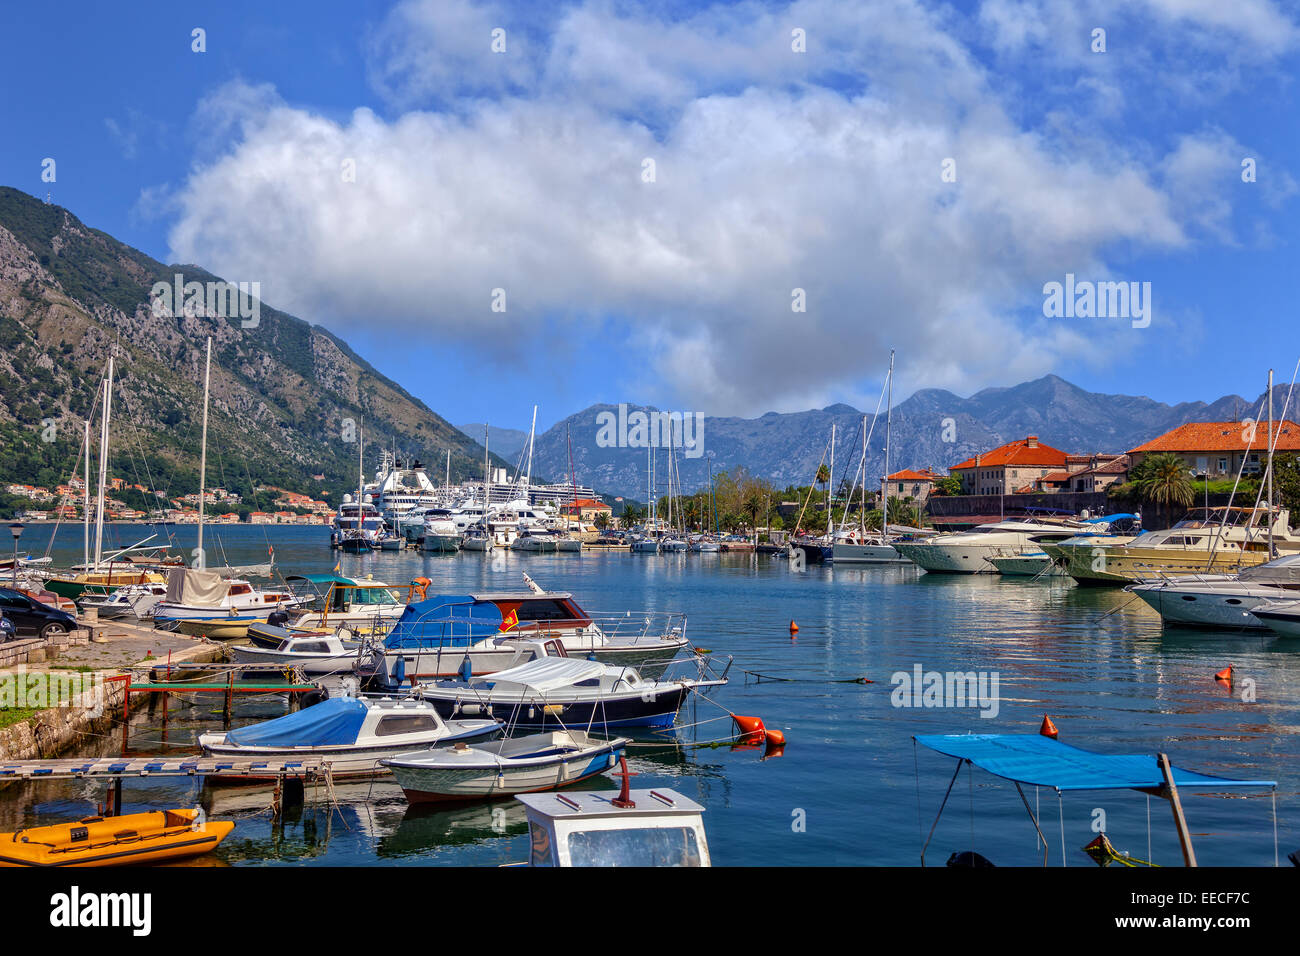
(1056, 476)
(1017, 453)
(1223, 436)
(909, 474)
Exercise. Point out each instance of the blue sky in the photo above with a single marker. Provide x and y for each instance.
(774, 170)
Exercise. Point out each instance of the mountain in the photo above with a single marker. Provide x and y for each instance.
(289, 398)
(506, 442)
(933, 428)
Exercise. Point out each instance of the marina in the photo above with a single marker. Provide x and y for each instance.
(1096, 659)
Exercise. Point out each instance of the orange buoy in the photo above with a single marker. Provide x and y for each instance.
(1225, 674)
(1048, 729)
(794, 628)
(772, 751)
(751, 728)
(864, 680)
(775, 739)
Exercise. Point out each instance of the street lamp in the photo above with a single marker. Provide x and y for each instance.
(16, 529)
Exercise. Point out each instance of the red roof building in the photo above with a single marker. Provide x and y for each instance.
(1217, 449)
(910, 483)
(1009, 467)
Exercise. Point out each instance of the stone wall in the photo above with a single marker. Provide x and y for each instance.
(56, 729)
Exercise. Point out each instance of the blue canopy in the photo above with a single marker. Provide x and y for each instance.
(1109, 518)
(332, 722)
(1044, 762)
(445, 620)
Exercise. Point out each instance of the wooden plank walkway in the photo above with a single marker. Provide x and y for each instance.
(187, 766)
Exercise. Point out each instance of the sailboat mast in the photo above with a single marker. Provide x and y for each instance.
(1271, 552)
(85, 506)
(532, 431)
(103, 464)
(889, 421)
(830, 478)
(487, 458)
(203, 454)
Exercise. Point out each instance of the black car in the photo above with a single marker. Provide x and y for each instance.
(31, 618)
(6, 629)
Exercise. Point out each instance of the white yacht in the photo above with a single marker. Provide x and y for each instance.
(969, 552)
(1225, 600)
(357, 520)
(440, 534)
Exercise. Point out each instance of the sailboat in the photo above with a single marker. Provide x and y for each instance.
(859, 545)
(199, 601)
(136, 568)
(648, 543)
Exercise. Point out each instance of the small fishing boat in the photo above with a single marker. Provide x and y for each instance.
(504, 768)
(363, 605)
(318, 652)
(554, 690)
(204, 603)
(352, 734)
(634, 828)
(115, 841)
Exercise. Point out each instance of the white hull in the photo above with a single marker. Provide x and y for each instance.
(1225, 603)
(307, 663)
(865, 554)
(951, 558)
(355, 761)
(505, 767)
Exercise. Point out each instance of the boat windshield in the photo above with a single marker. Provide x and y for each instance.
(1213, 517)
(639, 846)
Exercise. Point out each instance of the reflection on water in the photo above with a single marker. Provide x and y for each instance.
(1096, 659)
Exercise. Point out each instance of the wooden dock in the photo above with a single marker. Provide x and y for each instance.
(118, 768)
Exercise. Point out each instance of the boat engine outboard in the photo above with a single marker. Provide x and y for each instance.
(278, 618)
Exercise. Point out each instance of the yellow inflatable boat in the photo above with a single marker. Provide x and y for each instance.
(115, 841)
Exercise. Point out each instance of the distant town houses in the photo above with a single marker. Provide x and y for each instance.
(1009, 468)
(586, 509)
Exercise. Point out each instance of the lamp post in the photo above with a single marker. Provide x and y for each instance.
(16, 529)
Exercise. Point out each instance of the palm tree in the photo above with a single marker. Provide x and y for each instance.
(1164, 481)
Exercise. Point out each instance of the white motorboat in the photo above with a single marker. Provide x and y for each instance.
(364, 605)
(646, 544)
(857, 547)
(436, 636)
(352, 734)
(131, 600)
(554, 690)
(1226, 600)
(312, 653)
(501, 768)
(440, 535)
(633, 828)
(969, 552)
(1281, 617)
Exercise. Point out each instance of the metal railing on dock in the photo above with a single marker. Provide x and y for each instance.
(121, 767)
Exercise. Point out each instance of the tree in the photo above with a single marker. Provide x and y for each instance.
(947, 485)
(602, 521)
(1162, 479)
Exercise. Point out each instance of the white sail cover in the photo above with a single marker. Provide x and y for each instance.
(186, 586)
(546, 673)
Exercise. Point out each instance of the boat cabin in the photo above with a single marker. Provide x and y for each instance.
(661, 828)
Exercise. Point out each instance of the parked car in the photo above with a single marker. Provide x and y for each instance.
(31, 618)
(7, 632)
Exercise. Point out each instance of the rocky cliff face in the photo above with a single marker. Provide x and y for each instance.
(288, 398)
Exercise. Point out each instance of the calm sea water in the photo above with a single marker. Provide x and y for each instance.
(850, 787)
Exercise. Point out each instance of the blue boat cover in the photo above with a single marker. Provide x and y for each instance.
(1044, 762)
(332, 722)
(445, 620)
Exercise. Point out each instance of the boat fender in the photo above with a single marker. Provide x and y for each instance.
(751, 728)
(466, 669)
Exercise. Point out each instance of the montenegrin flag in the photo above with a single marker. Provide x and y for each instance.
(510, 620)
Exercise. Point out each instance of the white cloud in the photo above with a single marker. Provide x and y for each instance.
(774, 170)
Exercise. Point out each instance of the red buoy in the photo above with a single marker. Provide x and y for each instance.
(1048, 729)
(794, 628)
(1225, 674)
(775, 739)
(751, 728)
